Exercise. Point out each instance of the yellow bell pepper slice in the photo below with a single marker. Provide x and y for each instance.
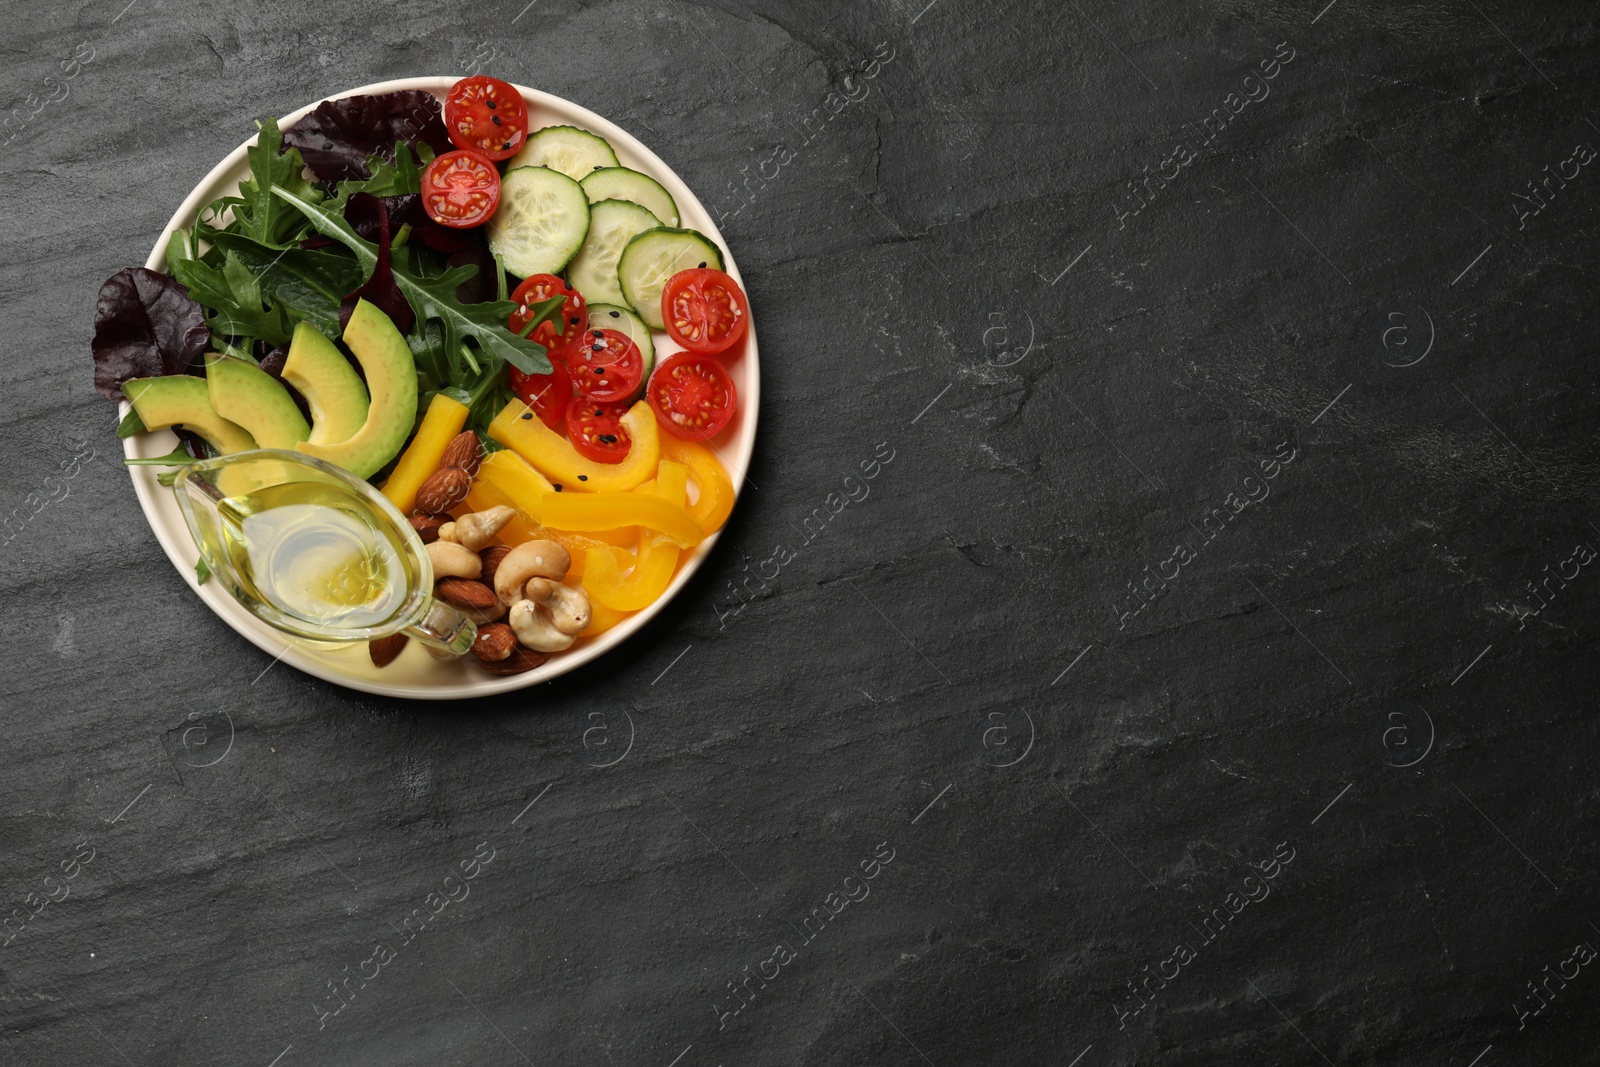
(655, 565)
(443, 421)
(507, 481)
(676, 475)
(715, 504)
(602, 618)
(520, 430)
(588, 512)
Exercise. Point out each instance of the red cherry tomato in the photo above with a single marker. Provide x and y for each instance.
(606, 364)
(460, 189)
(487, 116)
(547, 394)
(596, 430)
(555, 334)
(692, 395)
(705, 310)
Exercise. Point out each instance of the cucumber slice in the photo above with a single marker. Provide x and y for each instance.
(571, 151)
(655, 256)
(541, 222)
(620, 318)
(620, 183)
(612, 224)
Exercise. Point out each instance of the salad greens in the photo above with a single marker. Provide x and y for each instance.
(330, 212)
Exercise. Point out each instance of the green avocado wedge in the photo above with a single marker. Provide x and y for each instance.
(243, 393)
(184, 400)
(391, 373)
(332, 388)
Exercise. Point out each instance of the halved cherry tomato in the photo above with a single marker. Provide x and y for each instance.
(555, 336)
(606, 364)
(547, 394)
(692, 395)
(705, 310)
(487, 116)
(460, 189)
(596, 430)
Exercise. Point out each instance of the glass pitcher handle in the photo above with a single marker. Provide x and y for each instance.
(444, 628)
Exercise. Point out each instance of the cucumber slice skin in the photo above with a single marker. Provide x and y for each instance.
(548, 253)
(622, 318)
(620, 183)
(655, 256)
(566, 149)
(612, 224)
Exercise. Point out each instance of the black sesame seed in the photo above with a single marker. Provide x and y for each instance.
(599, 412)
(583, 477)
(702, 266)
(505, 146)
(601, 333)
(607, 438)
(527, 414)
(573, 320)
(491, 106)
(494, 118)
(616, 314)
(557, 488)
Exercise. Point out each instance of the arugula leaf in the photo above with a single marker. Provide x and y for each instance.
(389, 179)
(258, 214)
(176, 458)
(231, 295)
(131, 424)
(435, 299)
(307, 284)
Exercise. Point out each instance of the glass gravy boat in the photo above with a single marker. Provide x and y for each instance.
(313, 551)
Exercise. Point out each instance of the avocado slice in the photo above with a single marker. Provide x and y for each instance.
(242, 392)
(183, 400)
(391, 373)
(330, 385)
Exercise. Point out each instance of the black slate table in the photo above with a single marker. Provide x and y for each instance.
(1178, 456)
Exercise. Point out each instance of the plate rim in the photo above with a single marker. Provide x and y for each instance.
(182, 553)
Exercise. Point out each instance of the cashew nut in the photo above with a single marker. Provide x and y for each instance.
(531, 559)
(535, 631)
(568, 607)
(477, 529)
(451, 560)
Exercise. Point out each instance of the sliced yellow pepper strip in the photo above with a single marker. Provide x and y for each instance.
(716, 488)
(602, 618)
(588, 512)
(443, 421)
(491, 492)
(514, 475)
(656, 563)
(520, 430)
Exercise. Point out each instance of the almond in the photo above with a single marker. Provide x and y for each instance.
(444, 489)
(383, 650)
(491, 557)
(494, 642)
(465, 593)
(521, 659)
(427, 526)
(464, 451)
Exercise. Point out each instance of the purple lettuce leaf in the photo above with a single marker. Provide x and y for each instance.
(145, 326)
(336, 139)
(366, 210)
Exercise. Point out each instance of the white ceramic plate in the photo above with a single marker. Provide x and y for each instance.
(415, 674)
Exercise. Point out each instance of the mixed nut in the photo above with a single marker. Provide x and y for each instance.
(514, 593)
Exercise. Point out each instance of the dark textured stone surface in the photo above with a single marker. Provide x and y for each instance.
(1055, 431)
